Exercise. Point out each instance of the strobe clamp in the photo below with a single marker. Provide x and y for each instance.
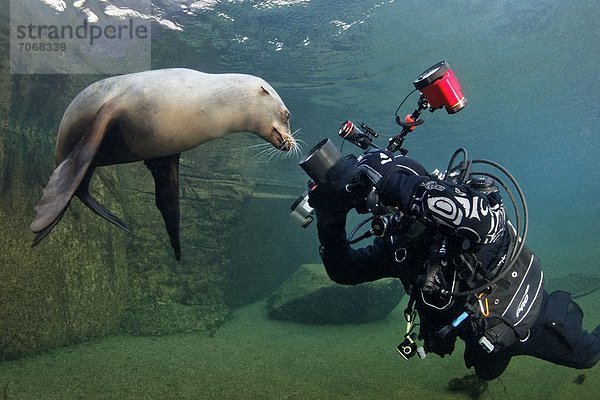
(410, 122)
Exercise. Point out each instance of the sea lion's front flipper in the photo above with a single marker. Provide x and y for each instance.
(165, 171)
(67, 177)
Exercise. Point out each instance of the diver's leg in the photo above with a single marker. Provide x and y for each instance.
(488, 366)
(558, 335)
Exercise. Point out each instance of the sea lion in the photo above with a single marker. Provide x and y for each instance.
(153, 116)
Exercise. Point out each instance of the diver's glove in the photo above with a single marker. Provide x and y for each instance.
(395, 183)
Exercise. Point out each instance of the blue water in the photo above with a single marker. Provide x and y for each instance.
(530, 72)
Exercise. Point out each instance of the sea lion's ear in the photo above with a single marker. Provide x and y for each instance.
(265, 91)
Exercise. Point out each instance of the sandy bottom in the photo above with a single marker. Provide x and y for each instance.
(253, 357)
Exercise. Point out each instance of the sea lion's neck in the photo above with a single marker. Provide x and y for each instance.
(231, 114)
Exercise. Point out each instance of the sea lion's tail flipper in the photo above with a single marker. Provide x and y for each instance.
(67, 177)
(165, 171)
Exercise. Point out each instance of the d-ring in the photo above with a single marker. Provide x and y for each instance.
(401, 252)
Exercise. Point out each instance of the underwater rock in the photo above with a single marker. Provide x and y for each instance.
(579, 379)
(577, 284)
(168, 318)
(310, 297)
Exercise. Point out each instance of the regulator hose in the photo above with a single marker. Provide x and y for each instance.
(521, 220)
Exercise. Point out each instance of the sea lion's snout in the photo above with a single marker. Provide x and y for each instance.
(282, 136)
(283, 140)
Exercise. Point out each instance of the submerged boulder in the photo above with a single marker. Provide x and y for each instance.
(310, 297)
(578, 284)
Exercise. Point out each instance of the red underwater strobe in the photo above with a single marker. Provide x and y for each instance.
(440, 88)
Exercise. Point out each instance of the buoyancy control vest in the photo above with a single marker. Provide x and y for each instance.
(503, 313)
(510, 308)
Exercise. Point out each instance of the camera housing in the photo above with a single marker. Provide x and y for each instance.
(324, 163)
(302, 211)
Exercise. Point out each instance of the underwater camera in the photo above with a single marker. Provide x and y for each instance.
(324, 163)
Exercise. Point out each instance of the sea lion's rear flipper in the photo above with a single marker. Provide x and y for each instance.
(165, 171)
(67, 177)
(86, 198)
(44, 232)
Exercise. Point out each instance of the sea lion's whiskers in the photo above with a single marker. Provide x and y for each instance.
(288, 148)
(296, 151)
(293, 143)
(275, 154)
(268, 154)
(258, 145)
(263, 152)
(298, 147)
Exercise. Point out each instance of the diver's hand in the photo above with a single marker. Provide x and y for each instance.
(330, 199)
(394, 178)
(374, 164)
(336, 197)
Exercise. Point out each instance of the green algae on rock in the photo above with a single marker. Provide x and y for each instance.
(309, 296)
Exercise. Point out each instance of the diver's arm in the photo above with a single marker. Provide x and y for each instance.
(346, 265)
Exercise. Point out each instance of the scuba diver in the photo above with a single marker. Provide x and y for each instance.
(447, 237)
(451, 250)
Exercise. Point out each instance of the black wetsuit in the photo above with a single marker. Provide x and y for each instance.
(515, 317)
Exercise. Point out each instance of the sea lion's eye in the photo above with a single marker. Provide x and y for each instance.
(286, 115)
